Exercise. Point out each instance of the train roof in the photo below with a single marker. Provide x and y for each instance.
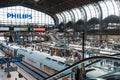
(11, 46)
(116, 43)
(54, 62)
(95, 73)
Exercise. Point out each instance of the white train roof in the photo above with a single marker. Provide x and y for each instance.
(42, 57)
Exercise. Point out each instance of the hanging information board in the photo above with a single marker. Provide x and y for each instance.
(4, 28)
(39, 29)
(20, 29)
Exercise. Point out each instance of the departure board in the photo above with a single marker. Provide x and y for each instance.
(20, 29)
(39, 29)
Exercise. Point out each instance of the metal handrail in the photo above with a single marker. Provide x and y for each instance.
(52, 77)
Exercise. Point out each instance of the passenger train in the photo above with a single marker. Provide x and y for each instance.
(116, 46)
(41, 62)
(102, 75)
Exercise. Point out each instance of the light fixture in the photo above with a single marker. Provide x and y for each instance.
(36, 0)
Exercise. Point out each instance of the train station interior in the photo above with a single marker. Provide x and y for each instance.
(59, 40)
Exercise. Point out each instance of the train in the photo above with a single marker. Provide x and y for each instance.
(41, 62)
(116, 46)
(110, 76)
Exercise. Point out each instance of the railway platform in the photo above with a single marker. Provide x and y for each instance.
(14, 75)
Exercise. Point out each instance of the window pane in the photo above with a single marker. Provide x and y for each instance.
(19, 15)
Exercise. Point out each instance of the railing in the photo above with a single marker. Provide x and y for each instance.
(69, 72)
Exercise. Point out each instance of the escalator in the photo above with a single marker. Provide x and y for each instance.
(97, 66)
(53, 38)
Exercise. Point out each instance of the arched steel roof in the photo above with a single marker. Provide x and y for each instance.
(47, 6)
(99, 10)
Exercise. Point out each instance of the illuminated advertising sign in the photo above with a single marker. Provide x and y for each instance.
(19, 16)
(39, 29)
(23, 29)
(20, 29)
(4, 28)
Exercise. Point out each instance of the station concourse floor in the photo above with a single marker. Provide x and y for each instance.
(14, 74)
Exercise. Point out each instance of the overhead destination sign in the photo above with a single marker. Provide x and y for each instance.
(13, 59)
(16, 59)
(4, 28)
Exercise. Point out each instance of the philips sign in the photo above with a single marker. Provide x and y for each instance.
(19, 16)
